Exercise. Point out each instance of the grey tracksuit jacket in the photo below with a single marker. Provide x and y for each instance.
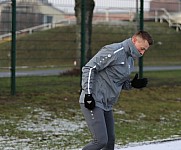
(107, 73)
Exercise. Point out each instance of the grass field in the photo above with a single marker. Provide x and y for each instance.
(45, 113)
(57, 47)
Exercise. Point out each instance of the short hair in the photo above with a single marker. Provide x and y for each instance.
(145, 35)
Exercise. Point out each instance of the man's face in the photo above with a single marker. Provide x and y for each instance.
(140, 44)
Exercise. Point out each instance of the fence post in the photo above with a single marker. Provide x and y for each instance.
(141, 28)
(83, 34)
(13, 49)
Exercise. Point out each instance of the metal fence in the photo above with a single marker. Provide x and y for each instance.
(46, 33)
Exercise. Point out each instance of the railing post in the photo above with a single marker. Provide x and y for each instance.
(13, 49)
(83, 34)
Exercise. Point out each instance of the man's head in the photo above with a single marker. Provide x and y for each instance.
(142, 40)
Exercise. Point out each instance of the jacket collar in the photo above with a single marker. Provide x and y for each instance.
(131, 49)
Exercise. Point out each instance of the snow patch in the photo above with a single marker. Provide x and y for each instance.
(46, 122)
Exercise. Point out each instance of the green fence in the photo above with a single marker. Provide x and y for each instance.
(46, 39)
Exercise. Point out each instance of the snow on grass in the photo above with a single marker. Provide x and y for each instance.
(49, 131)
(45, 122)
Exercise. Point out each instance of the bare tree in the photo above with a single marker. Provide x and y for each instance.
(90, 4)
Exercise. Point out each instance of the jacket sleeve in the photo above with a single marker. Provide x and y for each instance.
(101, 60)
(127, 85)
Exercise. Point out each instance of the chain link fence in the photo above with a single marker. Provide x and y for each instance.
(46, 33)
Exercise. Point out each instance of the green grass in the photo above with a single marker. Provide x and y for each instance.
(57, 47)
(149, 114)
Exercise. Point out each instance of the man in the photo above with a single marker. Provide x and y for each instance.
(103, 78)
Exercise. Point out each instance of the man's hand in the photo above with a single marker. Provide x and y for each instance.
(139, 83)
(89, 101)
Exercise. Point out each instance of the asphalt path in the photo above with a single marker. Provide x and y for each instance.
(33, 73)
(54, 72)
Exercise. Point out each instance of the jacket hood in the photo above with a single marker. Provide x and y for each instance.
(131, 49)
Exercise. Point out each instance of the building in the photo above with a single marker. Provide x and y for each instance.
(169, 5)
(29, 13)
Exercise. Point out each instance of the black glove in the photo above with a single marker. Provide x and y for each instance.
(139, 83)
(89, 101)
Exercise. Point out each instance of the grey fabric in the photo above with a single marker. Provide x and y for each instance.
(107, 73)
(101, 125)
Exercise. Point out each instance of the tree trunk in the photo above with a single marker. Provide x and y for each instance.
(89, 15)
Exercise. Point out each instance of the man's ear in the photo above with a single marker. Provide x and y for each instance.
(134, 39)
